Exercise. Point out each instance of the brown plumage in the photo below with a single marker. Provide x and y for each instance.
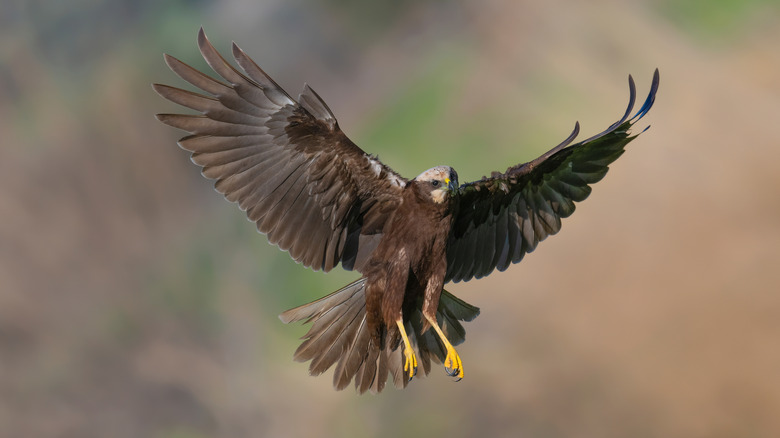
(317, 195)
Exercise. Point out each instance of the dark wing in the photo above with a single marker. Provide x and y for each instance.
(311, 190)
(505, 216)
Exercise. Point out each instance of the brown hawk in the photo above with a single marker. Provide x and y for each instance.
(317, 195)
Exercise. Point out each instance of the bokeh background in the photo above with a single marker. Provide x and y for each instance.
(134, 301)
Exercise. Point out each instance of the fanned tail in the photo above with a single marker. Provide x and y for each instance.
(339, 335)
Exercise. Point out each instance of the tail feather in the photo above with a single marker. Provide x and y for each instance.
(395, 365)
(366, 376)
(317, 308)
(354, 356)
(339, 335)
(332, 317)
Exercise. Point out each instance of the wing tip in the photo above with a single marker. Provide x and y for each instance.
(203, 42)
(237, 51)
(202, 38)
(208, 51)
(650, 100)
(171, 61)
(163, 90)
(646, 105)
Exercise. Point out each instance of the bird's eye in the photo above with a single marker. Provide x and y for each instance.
(435, 183)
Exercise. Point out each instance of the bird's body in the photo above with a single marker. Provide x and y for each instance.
(317, 195)
(412, 258)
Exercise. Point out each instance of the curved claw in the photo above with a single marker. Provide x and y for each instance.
(453, 366)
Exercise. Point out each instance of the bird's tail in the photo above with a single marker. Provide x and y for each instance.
(339, 335)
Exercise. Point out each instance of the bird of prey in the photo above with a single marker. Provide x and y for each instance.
(317, 195)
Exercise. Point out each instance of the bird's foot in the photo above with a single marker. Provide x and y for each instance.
(452, 363)
(410, 364)
(410, 359)
(453, 366)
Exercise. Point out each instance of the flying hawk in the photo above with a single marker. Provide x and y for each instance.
(317, 195)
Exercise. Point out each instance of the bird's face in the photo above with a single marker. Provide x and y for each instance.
(440, 183)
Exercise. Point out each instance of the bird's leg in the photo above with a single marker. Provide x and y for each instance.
(452, 363)
(410, 365)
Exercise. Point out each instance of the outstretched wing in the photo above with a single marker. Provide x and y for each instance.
(503, 217)
(311, 190)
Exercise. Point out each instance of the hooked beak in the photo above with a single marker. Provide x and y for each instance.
(452, 185)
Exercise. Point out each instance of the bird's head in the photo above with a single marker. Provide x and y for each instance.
(440, 183)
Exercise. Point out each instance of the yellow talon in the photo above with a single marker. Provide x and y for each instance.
(453, 366)
(410, 363)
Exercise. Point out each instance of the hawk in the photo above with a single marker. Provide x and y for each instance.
(317, 195)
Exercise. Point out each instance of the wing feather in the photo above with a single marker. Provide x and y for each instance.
(210, 144)
(276, 213)
(287, 164)
(501, 253)
(503, 217)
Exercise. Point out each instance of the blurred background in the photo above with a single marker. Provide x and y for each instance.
(135, 301)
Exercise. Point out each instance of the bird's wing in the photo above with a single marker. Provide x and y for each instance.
(311, 190)
(502, 217)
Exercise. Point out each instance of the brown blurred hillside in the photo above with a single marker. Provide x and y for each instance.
(134, 301)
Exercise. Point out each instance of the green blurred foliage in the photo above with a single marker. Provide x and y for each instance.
(719, 21)
(406, 130)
